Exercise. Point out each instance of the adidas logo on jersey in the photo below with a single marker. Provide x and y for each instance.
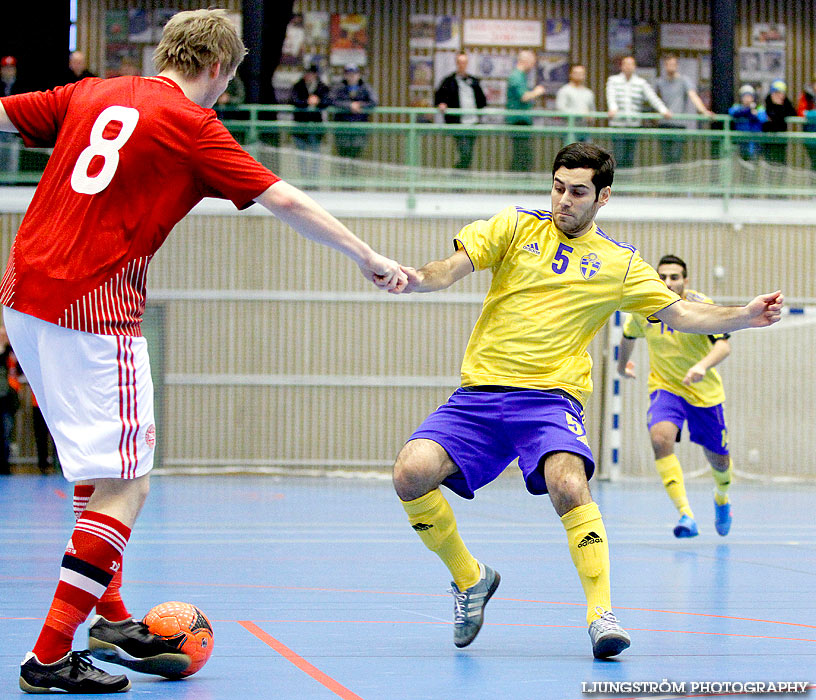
(591, 538)
(532, 248)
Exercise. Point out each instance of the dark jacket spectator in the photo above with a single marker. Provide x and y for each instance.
(448, 93)
(10, 84)
(778, 108)
(310, 86)
(352, 99)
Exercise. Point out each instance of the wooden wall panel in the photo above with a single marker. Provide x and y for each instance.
(244, 377)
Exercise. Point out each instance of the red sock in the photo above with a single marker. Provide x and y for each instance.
(110, 605)
(82, 494)
(93, 555)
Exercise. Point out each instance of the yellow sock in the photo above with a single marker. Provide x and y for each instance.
(672, 475)
(723, 480)
(432, 518)
(586, 537)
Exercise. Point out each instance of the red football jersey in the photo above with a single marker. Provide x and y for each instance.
(131, 157)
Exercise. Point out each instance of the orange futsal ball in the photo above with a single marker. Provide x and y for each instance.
(187, 628)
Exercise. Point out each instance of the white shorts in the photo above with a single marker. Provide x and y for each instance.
(95, 393)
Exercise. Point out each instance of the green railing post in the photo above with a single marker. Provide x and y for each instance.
(571, 135)
(412, 160)
(726, 165)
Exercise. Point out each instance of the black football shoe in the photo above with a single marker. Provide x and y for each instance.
(73, 673)
(129, 643)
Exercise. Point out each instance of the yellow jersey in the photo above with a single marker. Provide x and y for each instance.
(672, 353)
(549, 296)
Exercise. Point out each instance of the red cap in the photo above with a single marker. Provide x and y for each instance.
(8, 61)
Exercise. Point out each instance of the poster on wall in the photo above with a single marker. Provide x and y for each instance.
(689, 37)
(349, 39)
(447, 32)
(558, 35)
(422, 31)
(645, 45)
(502, 32)
(421, 69)
(139, 29)
(495, 93)
(773, 64)
(621, 40)
(765, 34)
(293, 43)
(116, 26)
(316, 28)
(750, 64)
(553, 71)
(483, 64)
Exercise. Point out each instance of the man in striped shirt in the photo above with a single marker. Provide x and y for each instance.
(626, 94)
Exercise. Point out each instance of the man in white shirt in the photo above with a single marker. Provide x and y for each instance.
(678, 94)
(575, 97)
(626, 94)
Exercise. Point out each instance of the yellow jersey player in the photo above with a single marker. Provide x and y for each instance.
(683, 386)
(526, 376)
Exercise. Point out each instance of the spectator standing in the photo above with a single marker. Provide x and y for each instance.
(806, 107)
(777, 109)
(520, 98)
(747, 118)
(9, 143)
(77, 68)
(626, 94)
(43, 440)
(575, 97)
(354, 100)
(460, 90)
(227, 102)
(680, 97)
(9, 83)
(9, 399)
(311, 96)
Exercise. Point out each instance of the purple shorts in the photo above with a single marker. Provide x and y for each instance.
(706, 425)
(483, 431)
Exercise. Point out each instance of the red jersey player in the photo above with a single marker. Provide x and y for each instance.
(131, 157)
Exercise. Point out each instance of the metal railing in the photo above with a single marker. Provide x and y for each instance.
(412, 150)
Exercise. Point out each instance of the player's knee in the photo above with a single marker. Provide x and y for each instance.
(413, 474)
(662, 445)
(567, 484)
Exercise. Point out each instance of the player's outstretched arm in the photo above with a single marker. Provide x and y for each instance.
(694, 317)
(310, 220)
(438, 274)
(720, 350)
(5, 122)
(626, 368)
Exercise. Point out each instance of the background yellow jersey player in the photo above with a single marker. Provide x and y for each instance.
(683, 386)
(526, 375)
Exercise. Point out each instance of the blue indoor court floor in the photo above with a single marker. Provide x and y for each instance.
(317, 588)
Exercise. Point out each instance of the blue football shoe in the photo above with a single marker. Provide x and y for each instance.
(686, 527)
(722, 518)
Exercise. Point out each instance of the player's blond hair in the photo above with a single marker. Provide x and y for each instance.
(195, 40)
